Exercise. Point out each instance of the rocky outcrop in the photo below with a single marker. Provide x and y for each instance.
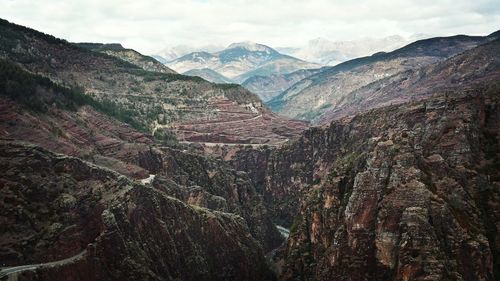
(57, 207)
(208, 183)
(401, 193)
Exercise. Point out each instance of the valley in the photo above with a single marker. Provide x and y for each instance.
(116, 166)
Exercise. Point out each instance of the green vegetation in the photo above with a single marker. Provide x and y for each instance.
(166, 137)
(35, 91)
(228, 86)
(13, 35)
(38, 93)
(158, 76)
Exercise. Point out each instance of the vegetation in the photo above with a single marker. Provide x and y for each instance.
(12, 34)
(153, 76)
(38, 93)
(166, 137)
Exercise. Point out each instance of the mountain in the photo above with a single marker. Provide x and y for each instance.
(153, 102)
(309, 98)
(327, 52)
(268, 87)
(84, 222)
(362, 193)
(372, 189)
(209, 75)
(238, 61)
(172, 53)
(463, 71)
(402, 184)
(101, 200)
(129, 55)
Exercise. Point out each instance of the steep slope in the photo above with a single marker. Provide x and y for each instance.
(480, 64)
(310, 98)
(276, 67)
(156, 102)
(268, 87)
(400, 193)
(33, 109)
(239, 61)
(209, 75)
(90, 223)
(128, 55)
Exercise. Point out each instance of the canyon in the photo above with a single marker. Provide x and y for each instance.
(115, 167)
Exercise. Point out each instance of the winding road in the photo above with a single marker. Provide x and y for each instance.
(13, 270)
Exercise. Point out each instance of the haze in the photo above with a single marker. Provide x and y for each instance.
(149, 26)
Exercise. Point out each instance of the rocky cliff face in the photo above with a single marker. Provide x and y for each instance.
(93, 224)
(49, 116)
(401, 193)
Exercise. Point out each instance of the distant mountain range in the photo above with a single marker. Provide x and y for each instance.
(209, 75)
(240, 61)
(322, 97)
(326, 52)
(267, 71)
(171, 53)
(268, 87)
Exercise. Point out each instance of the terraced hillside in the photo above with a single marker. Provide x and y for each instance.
(154, 102)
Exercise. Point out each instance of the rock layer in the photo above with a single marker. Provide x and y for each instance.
(57, 206)
(405, 192)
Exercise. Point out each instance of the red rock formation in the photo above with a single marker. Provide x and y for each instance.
(400, 193)
(55, 207)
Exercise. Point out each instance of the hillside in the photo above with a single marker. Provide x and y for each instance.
(128, 55)
(478, 65)
(209, 75)
(156, 102)
(268, 87)
(37, 115)
(309, 98)
(83, 222)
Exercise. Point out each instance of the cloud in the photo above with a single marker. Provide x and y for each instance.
(150, 25)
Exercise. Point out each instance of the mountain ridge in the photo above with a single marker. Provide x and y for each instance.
(238, 59)
(333, 83)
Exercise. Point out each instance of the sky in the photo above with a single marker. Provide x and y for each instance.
(151, 25)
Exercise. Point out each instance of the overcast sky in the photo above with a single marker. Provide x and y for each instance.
(151, 25)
